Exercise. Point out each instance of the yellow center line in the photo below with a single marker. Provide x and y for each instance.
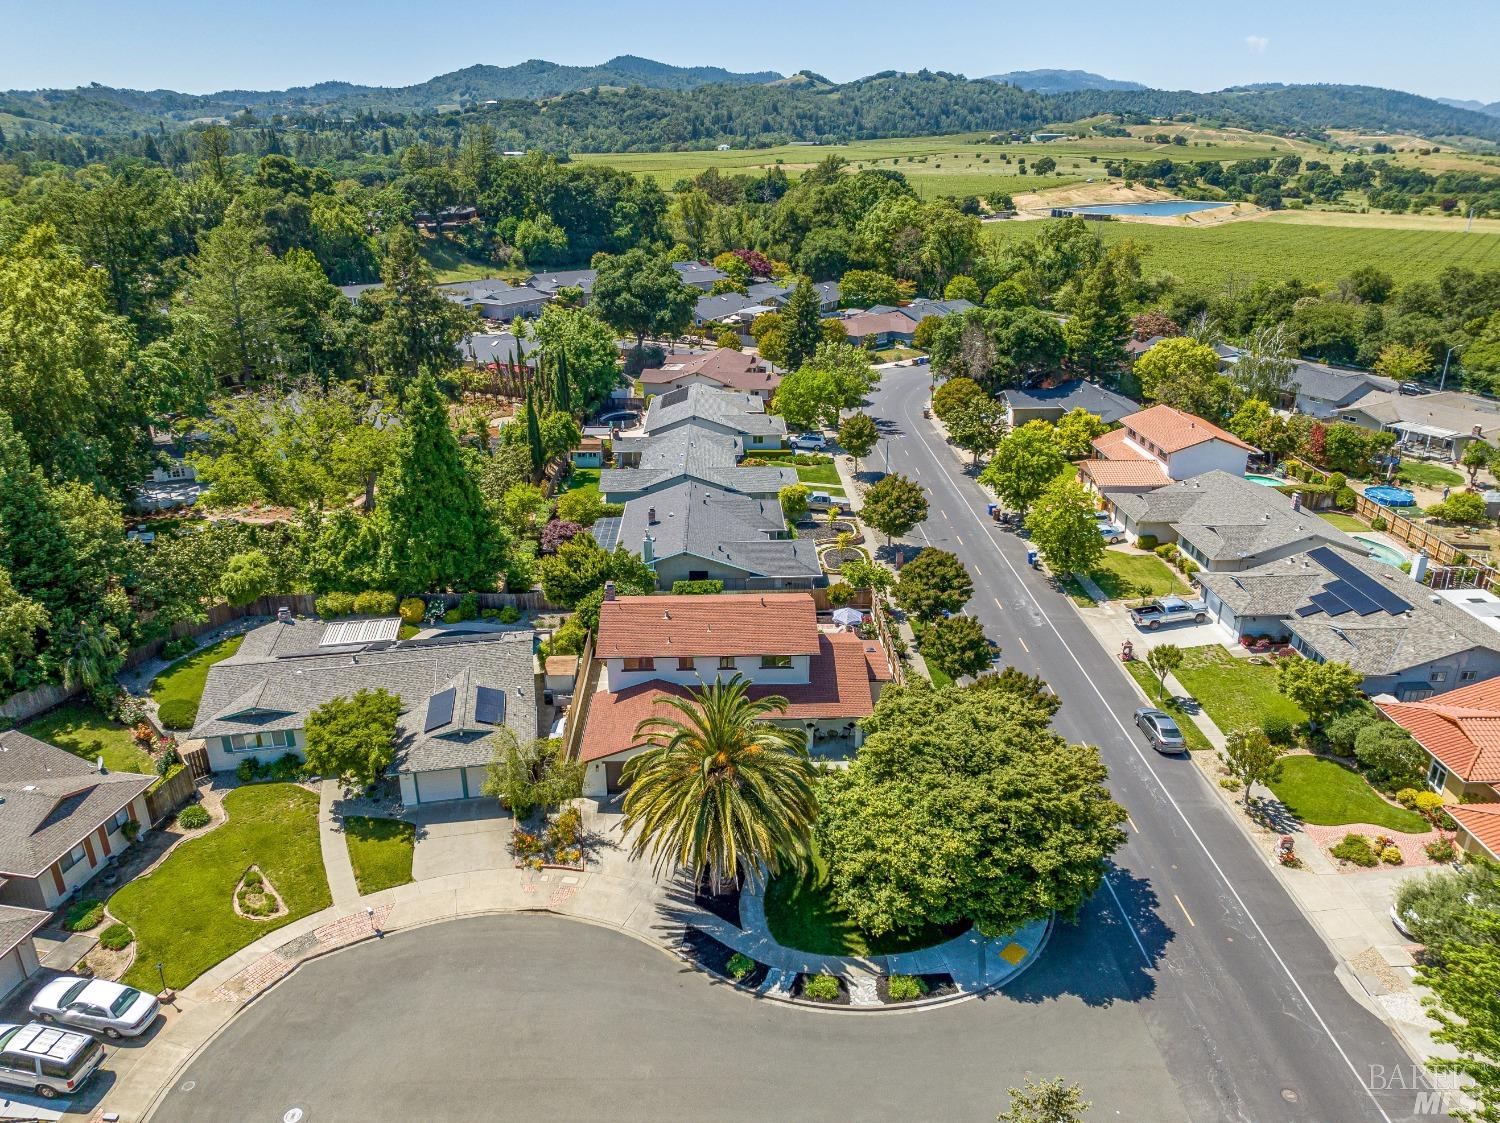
(1185, 912)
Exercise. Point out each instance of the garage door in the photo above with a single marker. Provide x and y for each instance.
(614, 776)
(476, 777)
(446, 783)
(12, 972)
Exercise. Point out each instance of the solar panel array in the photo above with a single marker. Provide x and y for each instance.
(440, 709)
(360, 631)
(1352, 590)
(489, 705)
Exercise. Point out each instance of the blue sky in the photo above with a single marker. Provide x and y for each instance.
(270, 44)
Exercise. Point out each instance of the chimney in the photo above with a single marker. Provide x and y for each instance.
(648, 550)
(650, 516)
(284, 615)
(100, 766)
(609, 590)
(1419, 566)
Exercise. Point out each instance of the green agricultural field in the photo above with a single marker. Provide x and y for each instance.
(1211, 255)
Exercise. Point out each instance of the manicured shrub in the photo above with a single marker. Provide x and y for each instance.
(904, 988)
(1167, 551)
(1343, 499)
(739, 965)
(821, 988)
(179, 646)
(1391, 856)
(116, 937)
(1379, 523)
(373, 602)
(468, 606)
(1442, 850)
(1428, 803)
(1146, 542)
(83, 915)
(193, 817)
(1187, 565)
(287, 767)
(178, 713)
(1343, 728)
(840, 593)
(510, 614)
(334, 604)
(1280, 728)
(452, 617)
(1229, 783)
(1407, 798)
(701, 587)
(247, 770)
(413, 610)
(1355, 848)
(1390, 755)
(130, 829)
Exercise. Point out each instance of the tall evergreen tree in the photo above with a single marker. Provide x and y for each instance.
(802, 324)
(436, 531)
(1096, 329)
(534, 436)
(562, 394)
(415, 328)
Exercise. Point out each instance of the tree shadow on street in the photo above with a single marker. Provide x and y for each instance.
(1099, 958)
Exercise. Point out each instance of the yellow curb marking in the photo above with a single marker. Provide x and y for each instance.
(1013, 954)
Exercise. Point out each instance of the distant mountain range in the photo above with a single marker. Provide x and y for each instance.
(636, 104)
(1061, 81)
(1493, 108)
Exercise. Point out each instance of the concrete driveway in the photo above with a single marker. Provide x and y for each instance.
(461, 836)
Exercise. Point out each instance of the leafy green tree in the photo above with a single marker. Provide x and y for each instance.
(1437, 907)
(1478, 455)
(858, 434)
(963, 805)
(894, 505)
(1184, 374)
(642, 295)
(1164, 659)
(1025, 462)
(957, 646)
(436, 532)
(581, 567)
(955, 394)
(862, 574)
(1250, 757)
(1045, 1101)
(978, 427)
(836, 377)
(863, 288)
(1466, 507)
(721, 791)
(1390, 755)
(22, 623)
(1321, 689)
(527, 776)
(413, 329)
(997, 347)
(1403, 362)
(524, 509)
(962, 288)
(1464, 985)
(1097, 327)
(1263, 371)
(586, 350)
(1255, 424)
(1063, 527)
(1075, 432)
(247, 577)
(932, 583)
(801, 320)
(353, 738)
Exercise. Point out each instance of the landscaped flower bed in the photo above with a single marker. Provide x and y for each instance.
(834, 559)
(714, 957)
(927, 987)
(829, 990)
(821, 530)
(558, 845)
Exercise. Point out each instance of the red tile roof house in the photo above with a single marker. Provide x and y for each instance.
(1158, 445)
(659, 647)
(724, 368)
(60, 820)
(1461, 732)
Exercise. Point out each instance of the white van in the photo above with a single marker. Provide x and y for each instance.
(47, 1060)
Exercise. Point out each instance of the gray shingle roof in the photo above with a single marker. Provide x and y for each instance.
(718, 526)
(696, 452)
(495, 347)
(280, 674)
(50, 800)
(1380, 643)
(566, 279)
(1338, 388)
(16, 924)
(1075, 394)
(743, 413)
(724, 304)
(919, 309)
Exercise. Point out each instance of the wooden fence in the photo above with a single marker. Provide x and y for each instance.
(1403, 529)
(170, 794)
(583, 693)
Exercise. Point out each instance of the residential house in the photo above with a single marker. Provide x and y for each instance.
(698, 275)
(723, 368)
(455, 691)
(173, 481)
(1481, 604)
(692, 452)
(1319, 390)
(61, 819)
(1050, 402)
(498, 348)
(1458, 731)
(493, 297)
(18, 958)
(1333, 606)
(1158, 445)
(722, 307)
(1439, 425)
(884, 328)
(550, 283)
(1226, 523)
(828, 296)
(740, 415)
(922, 308)
(768, 292)
(689, 531)
(658, 648)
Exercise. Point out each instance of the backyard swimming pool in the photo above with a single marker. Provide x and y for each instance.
(1388, 555)
(1161, 208)
(1264, 481)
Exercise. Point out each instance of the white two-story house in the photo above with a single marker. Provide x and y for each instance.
(1158, 445)
(656, 648)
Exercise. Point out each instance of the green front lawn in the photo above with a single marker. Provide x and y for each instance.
(581, 478)
(802, 914)
(85, 732)
(818, 474)
(1142, 675)
(380, 850)
(183, 912)
(1322, 791)
(1123, 576)
(1346, 523)
(178, 688)
(1235, 693)
(1424, 474)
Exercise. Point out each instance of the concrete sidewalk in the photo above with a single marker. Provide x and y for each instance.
(335, 851)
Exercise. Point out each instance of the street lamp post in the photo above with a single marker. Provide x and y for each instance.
(1444, 380)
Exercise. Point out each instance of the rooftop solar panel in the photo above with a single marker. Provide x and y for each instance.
(1309, 610)
(489, 705)
(1352, 597)
(439, 709)
(1374, 589)
(1330, 604)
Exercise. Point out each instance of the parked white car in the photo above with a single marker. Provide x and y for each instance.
(810, 442)
(47, 1060)
(112, 1009)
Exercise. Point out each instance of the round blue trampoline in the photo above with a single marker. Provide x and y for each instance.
(1391, 496)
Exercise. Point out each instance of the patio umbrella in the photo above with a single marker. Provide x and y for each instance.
(849, 617)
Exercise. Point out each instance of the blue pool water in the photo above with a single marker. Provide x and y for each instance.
(1391, 496)
(1165, 207)
(1381, 552)
(1264, 481)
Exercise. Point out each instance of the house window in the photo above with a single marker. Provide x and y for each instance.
(726, 663)
(122, 817)
(1437, 776)
(775, 662)
(249, 742)
(1467, 676)
(685, 664)
(71, 859)
(1438, 676)
(640, 664)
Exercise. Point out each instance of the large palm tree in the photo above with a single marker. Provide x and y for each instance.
(721, 789)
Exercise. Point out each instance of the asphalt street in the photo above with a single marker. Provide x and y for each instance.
(1242, 999)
